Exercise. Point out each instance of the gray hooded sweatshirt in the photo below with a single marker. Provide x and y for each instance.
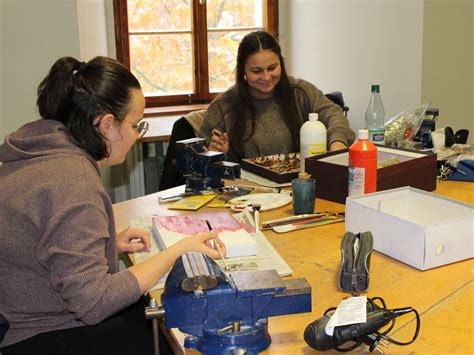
(58, 258)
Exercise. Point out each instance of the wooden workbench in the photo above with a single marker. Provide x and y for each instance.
(443, 296)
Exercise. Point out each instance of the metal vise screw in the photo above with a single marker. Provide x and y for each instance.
(234, 326)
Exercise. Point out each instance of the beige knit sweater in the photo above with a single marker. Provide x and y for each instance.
(272, 136)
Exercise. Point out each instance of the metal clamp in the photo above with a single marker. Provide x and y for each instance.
(153, 312)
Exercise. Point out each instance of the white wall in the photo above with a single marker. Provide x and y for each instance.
(347, 45)
(120, 181)
(448, 62)
(92, 28)
(34, 33)
(1, 71)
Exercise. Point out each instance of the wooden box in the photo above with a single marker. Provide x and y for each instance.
(415, 169)
(280, 175)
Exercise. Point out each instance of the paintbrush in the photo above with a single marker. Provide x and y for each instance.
(287, 220)
(215, 242)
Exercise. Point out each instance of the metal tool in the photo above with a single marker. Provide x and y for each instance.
(203, 168)
(228, 315)
(256, 215)
(153, 312)
(301, 217)
(178, 196)
(216, 243)
(368, 332)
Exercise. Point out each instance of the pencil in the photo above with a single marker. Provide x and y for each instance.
(217, 133)
(217, 246)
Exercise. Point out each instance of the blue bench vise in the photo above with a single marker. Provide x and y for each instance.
(228, 314)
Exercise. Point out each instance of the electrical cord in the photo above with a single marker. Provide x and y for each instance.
(378, 316)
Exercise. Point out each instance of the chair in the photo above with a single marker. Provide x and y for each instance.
(171, 177)
(338, 99)
(4, 326)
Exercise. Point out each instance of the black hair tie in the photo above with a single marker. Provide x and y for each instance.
(80, 68)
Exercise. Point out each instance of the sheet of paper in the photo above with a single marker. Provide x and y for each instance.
(352, 310)
(247, 175)
(171, 229)
(145, 223)
(192, 203)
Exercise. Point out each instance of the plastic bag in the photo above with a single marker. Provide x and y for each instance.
(404, 126)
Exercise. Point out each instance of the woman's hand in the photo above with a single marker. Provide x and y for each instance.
(151, 270)
(202, 243)
(132, 240)
(337, 146)
(219, 142)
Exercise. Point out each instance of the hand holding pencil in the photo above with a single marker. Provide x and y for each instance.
(219, 141)
(215, 243)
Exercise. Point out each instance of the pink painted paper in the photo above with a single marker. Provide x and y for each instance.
(191, 224)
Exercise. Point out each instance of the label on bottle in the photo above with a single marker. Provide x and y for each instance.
(356, 181)
(314, 149)
(377, 135)
(308, 150)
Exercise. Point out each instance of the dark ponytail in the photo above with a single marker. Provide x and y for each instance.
(76, 93)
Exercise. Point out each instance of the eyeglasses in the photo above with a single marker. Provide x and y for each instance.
(140, 128)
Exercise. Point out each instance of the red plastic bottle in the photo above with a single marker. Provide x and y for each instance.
(362, 165)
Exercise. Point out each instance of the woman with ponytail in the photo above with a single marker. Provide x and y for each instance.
(60, 288)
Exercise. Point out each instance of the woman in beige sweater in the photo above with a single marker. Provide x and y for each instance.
(263, 112)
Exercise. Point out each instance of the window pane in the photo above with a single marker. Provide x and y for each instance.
(234, 13)
(162, 63)
(222, 59)
(150, 15)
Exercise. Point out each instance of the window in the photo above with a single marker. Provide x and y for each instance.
(183, 51)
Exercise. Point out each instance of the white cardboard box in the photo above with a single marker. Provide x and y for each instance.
(416, 227)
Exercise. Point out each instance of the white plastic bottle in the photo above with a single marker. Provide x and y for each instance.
(313, 138)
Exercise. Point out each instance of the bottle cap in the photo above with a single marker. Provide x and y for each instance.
(363, 134)
(375, 88)
(313, 116)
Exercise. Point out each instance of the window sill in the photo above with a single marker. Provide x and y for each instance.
(161, 120)
(173, 110)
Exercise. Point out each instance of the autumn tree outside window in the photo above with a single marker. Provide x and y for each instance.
(184, 51)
